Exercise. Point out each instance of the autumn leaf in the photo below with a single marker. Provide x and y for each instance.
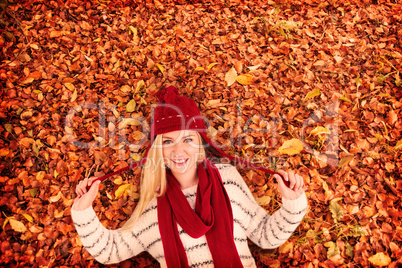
(230, 77)
(17, 226)
(264, 200)
(69, 86)
(55, 198)
(245, 79)
(345, 160)
(312, 94)
(210, 66)
(160, 67)
(380, 259)
(131, 106)
(74, 96)
(286, 247)
(333, 249)
(121, 190)
(140, 84)
(291, 147)
(320, 130)
(336, 211)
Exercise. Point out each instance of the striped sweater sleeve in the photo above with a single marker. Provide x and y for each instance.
(106, 246)
(266, 231)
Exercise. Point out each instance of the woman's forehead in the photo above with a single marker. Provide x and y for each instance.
(179, 134)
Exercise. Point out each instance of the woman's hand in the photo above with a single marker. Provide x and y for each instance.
(86, 197)
(296, 184)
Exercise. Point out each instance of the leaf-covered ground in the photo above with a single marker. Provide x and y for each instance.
(312, 86)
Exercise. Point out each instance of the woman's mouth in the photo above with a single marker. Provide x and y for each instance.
(180, 162)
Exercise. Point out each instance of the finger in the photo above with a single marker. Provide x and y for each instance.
(91, 180)
(82, 187)
(282, 176)
(297, 182)
(301, 182)
(292, 180)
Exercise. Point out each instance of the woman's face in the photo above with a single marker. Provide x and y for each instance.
(181, 150)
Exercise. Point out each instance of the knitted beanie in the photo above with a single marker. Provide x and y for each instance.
(175, 112)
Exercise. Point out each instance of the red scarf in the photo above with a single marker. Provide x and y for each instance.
(212, 217)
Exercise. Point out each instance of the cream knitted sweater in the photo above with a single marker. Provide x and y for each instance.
(250, 221)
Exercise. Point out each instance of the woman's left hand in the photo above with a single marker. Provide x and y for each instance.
(296, 184)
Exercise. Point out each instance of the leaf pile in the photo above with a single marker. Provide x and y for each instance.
(312, 86)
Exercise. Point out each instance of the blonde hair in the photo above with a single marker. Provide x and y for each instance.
(153, 178)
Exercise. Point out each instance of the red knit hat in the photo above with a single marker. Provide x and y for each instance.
(175, 112)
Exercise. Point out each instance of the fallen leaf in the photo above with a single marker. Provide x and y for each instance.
(320, 130)
(380, 259)
(131, 106)
(55, 198)
(345, 160)
(291, 147)
(230, 77)
(312, 94)
(121, 190)
(17, 226)
(245, 79)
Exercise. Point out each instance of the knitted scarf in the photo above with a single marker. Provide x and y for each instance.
(212, 217)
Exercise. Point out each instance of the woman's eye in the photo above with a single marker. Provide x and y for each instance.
(167, 142)
(188, 140)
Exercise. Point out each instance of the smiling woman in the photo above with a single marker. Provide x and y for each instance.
(191, 212)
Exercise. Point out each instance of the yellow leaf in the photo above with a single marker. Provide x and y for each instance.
(345, 160)
(320, 130)
(199, 69)
(17, 226)
(55, 198)
(136, 157)
(131, 106)
(398, 146)
(160, 67)
(291, 147)
(312, 94)
(345, 99)
(211, 66)
(139, 85)
(245, 79)
(74, 96)
(264, 200)
(28, 217)
(69, 86)
(5, 223)
(121, 190)
(230, 77)
(97, 40)
(380, 259)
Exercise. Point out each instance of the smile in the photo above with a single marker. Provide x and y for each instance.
(180, 162)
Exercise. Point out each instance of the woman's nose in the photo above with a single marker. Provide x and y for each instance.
(177, 150)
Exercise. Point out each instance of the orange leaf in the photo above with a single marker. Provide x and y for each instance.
(245, 79)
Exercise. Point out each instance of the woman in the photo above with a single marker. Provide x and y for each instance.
(191, 213)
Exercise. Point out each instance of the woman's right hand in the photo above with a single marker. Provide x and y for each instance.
(85, 197)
